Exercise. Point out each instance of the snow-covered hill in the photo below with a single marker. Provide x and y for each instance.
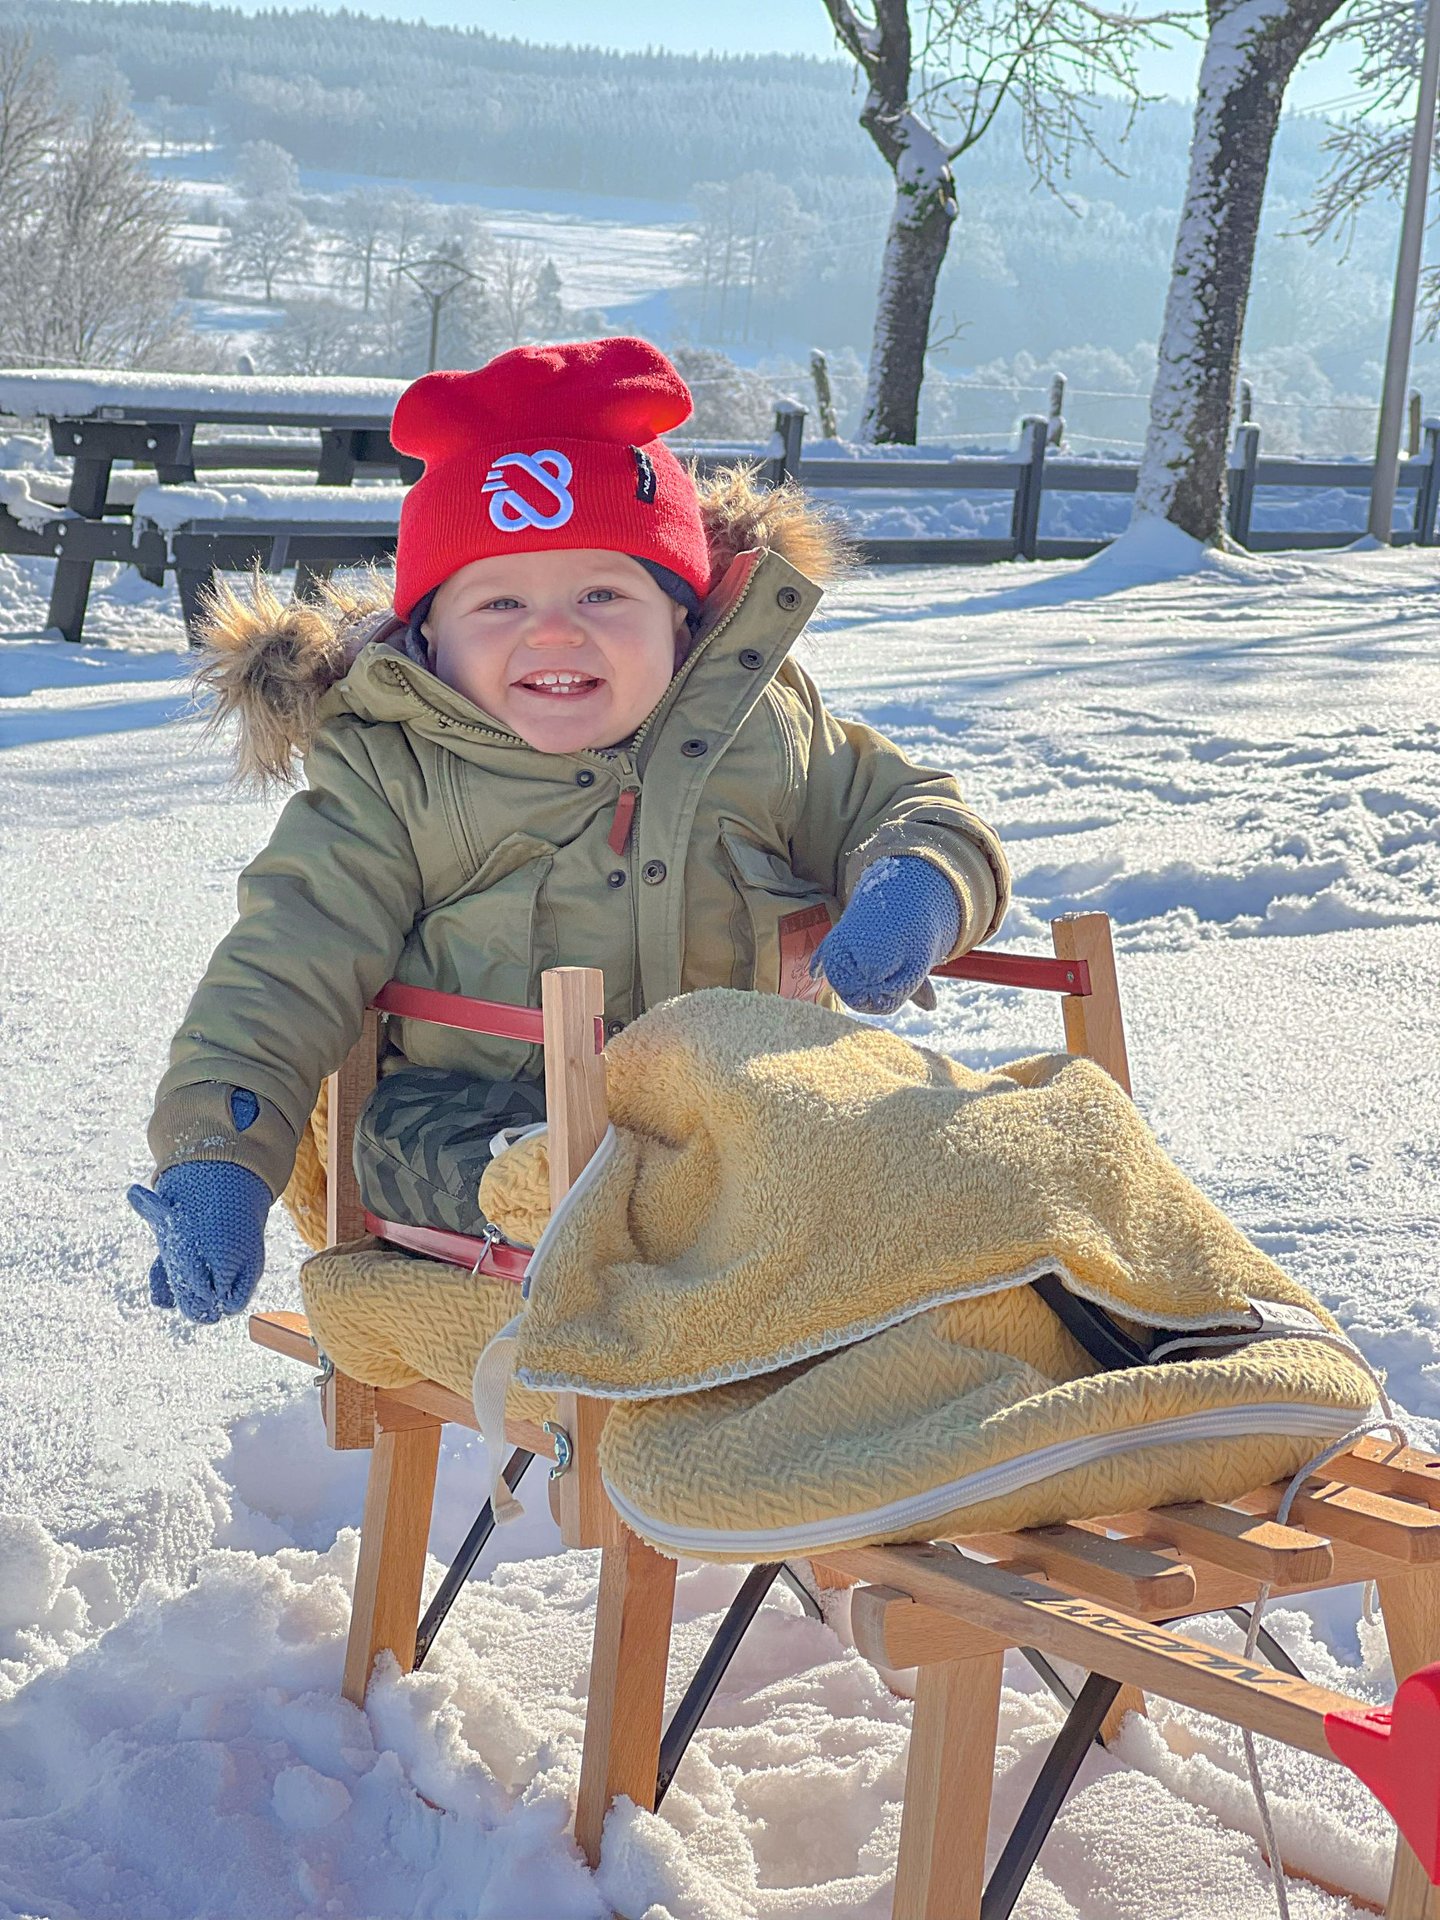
(1240, 763)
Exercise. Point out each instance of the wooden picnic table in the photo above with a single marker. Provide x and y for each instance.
(97, 417)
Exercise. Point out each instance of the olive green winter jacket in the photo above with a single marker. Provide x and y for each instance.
(432, 847)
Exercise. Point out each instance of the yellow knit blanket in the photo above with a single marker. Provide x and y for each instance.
(781, 1181)
(801, 1263)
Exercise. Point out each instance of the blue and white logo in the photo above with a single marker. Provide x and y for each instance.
(510, 510)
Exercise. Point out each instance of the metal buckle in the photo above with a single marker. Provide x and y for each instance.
(564, 1450)
(492, 1236)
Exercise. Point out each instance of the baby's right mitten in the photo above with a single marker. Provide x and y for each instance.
(208, 1217)
(209, 1222)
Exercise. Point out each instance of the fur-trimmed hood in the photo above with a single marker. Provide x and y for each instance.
(268, 663)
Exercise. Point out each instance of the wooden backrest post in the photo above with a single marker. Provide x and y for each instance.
(351, 1085)
(573, 1002)
(349, 1405)
(1093, 1022)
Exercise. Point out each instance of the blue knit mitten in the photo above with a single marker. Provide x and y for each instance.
(902, 919)
(208, 1217)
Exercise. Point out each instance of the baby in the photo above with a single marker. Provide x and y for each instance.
(579, 737)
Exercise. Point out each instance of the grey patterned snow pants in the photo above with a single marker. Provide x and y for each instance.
(423, 1141)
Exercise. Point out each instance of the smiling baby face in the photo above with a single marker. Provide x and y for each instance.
(569, 648)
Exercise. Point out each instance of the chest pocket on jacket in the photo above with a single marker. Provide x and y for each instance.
(486, 939)
(783, 918)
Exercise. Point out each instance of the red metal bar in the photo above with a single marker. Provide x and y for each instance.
(475, 1016)
(458, 1010)
(1020, 970)
(457, 1249)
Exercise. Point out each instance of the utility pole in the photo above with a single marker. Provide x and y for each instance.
(1407, 275)
(446, 278)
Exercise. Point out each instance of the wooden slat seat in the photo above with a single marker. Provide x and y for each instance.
(1122, 1572)
(1237, 1542)
(1390, 1528)
(1385, 1468)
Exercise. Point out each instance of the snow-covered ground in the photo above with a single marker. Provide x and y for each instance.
(1240, 764)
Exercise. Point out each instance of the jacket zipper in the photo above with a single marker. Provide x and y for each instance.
(626, 816)
(630, 847)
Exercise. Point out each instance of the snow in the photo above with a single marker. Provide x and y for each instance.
(170, 508)
(1234, 757)
(20, 501)
(55, 393)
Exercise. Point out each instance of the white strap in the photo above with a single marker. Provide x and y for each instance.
(494, 1371)
(508, 1137)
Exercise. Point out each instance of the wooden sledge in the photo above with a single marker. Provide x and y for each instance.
(1095, 1593)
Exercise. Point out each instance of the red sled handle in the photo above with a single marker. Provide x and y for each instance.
(1395, 1750)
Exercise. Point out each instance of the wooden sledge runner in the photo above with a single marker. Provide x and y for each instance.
(1097, 1593)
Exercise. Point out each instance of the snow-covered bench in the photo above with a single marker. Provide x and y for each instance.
(235, 527)
(98, 416)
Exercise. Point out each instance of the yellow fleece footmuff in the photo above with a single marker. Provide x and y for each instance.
(801, 1263)
(780, 1181)
(305, 1193)
(391, 1320)
(914, 1436)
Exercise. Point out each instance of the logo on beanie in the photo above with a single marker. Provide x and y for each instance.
(644, 476)
(510, 510)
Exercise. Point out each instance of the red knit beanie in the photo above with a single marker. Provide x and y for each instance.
(547, 447)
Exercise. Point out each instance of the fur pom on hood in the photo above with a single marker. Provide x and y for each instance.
(268, 662)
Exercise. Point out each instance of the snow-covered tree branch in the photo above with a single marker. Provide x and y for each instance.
(1369, 150)
(1044, 59)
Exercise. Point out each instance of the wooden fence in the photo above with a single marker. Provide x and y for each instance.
(1034, 471)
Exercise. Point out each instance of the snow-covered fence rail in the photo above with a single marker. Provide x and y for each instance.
(177, 526)
(1034, 472)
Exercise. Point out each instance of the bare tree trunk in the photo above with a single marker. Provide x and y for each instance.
(1250, 55)
(915, 246)
(920, 222)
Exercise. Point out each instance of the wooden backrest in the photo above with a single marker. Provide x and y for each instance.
(1082, 973)
(572, 1010)
(1094, 1024)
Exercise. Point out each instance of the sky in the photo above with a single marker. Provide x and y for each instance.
(751, 26)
